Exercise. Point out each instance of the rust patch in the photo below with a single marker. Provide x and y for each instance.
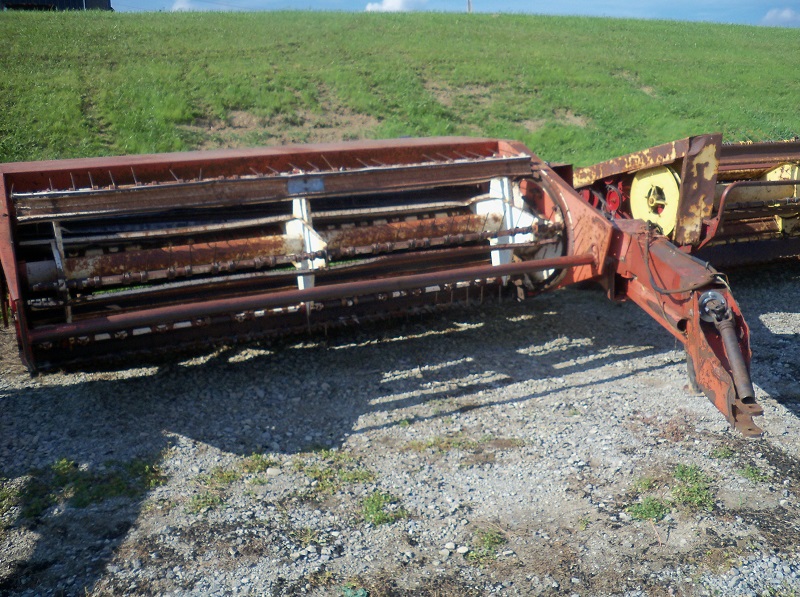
(358, 236)
(698, 188)
(179, 257)
(640, 160)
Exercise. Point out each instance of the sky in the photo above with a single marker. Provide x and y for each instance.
(776, 13)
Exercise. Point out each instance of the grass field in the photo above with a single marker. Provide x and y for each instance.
(572, 89)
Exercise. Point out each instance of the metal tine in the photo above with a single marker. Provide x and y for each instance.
(362, 162)
(113, 182)
(72, 178)
(485, 221)
(327, 162)
(378, 162)
(296, 167)
(310, 163)
(91, 180)
(461, 155)
(136, 180)
(174, 175)
(445, 157)
(50, 180)
(452, 225)
(429, 158)
(256, 172)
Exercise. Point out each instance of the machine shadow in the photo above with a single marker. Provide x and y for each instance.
(259, 399)
(774, 328)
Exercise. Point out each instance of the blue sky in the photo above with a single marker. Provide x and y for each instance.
(781, 13)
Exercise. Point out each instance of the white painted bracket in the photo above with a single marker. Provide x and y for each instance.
(505, 201)
(300, 228)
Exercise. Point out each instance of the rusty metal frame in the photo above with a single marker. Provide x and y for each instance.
(714, 223)
(702, 162)
(667, 283)
(697, 159)
(442, 261)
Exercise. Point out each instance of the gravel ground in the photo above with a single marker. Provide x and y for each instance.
(536, 448)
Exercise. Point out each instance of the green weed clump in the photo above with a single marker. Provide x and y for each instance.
(444, 443)
(219, 478)
(65, 482)
(382, 508)
(354, 591)
(330, 470)
(200, 503)
(9, 497)
(258, 463)
(441, 444)
(643, 484)
(649, 508)
(722, 453)
(486, 543)
(692, 488)
(754, 474)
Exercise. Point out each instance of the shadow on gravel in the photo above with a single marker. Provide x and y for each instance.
(73, 433)
(774, 329)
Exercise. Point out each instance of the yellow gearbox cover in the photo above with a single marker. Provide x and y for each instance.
(786, 172)
(654, 197)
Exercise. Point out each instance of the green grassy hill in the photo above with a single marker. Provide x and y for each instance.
(572, 89)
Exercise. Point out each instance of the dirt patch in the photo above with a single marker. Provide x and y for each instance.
(569, 117)
(245, 129)
(447, 95)
(534, 125)
(560, 116)
(634, 80)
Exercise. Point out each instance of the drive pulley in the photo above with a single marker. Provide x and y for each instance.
(654, 197)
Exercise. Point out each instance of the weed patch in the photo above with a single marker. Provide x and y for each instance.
(65, 482)
(330, 470)
(305, 536)
(643, 484)
(219, 478)
(485, 545)
(9, 497)
(441, 444)
(692, 488)
(722, 453)
(258, 463)
(754, 474)
(382, 508)
(649, 508)
(203, 502)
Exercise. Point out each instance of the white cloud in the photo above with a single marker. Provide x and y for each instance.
(781, 17)
(181, 5)
(390, 6)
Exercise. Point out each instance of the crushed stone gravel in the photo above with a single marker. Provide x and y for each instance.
(505, 449)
